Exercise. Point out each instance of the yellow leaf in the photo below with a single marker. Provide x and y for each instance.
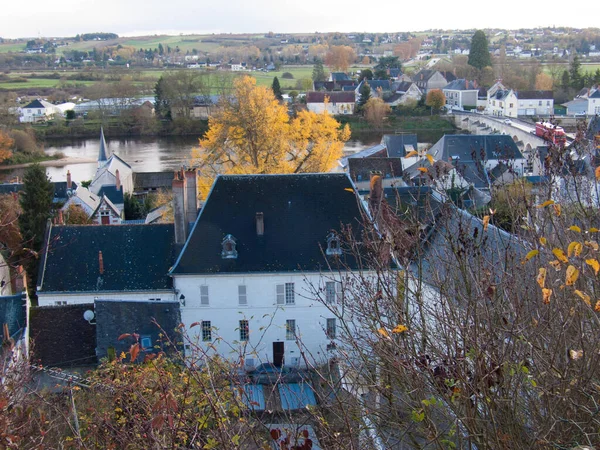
(349, 189)
(486, 222)
(530, 255)
(430, 158)
(593, 230)
(411, 154)
(555, 264)
(383, 332)
(546, 203)
(560, 255)
(583, 296)
(575, 354)
(422, 169)
(575, 228)
(594, 264)
(591, 244)
(597, 172)
(541, 278)
(400, 329)
(571, 276)
(557, 209)
(597, 307)
(543, 241)
(574, 248)
(547, 293)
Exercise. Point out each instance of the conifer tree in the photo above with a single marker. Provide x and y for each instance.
(319, 72)
(479, 54)
(276, 87)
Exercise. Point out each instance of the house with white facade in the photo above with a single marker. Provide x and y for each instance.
(408, 91)
(461, 93)
(594, 103)
(535, 103)
(501, 101)
(263, 262)
(333, 102)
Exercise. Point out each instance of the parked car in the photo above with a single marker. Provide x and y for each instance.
(507, 121)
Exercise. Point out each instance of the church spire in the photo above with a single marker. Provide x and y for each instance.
(102, 154)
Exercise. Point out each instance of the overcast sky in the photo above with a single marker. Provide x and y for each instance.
(139, 17)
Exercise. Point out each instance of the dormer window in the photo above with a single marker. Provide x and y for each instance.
(228, 247)
(333, 245)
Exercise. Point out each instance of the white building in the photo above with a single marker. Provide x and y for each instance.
(333, 102)
(461, 93)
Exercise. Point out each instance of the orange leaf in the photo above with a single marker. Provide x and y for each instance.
(555, 264)
(411, 154)
(195, 324)
(598, 173)
(583, 296)
(546, 203)
(430, 159)
(597, 307)
(422, 169)
(543, 241)
(557, 209)
(530, 255)
(134, 351)
(486, 221)
(383, 332)
(123, 336)
(547, 293)
(594, 264)
(400, 329)
(571, 276)
(560, 255)
(541, 278)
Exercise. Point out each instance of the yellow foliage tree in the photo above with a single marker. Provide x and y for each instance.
(6, 145)
(543, 82)
(253, 134)
(376, 110)
(339, 57)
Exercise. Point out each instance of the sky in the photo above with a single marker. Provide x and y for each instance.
(64, 18)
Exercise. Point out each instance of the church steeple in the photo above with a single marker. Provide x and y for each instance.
(102, 154)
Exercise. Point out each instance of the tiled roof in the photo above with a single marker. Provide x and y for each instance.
(461, 85)
(338, 97)
(61, 336)
(535, 95)
(403, 86)
(299, 211)
(472, 147)
(339, 76)
(385, 85)
(360, 168)
(324, 85)
(111, 192)
(135, 257)
(60, 189)
(396, 144)
(36, 104)
(152, 180)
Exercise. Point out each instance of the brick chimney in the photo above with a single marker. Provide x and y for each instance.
(179, 185)
(61, 219)
(100, 263)
(260, 224)
(69, 181)
(118, 180)
(191, 208)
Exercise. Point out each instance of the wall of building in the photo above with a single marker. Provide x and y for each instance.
(267, 319)
(332, 108)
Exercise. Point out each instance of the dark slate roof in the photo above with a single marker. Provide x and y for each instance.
(535, 95)
(394, 72)
(324, 85)
(299, 213)
(12, 313)
(103, 151)
(36, 104)
(461, 85)
(360, 168)
(471, 147)
(424, 74)
(339, 76)
(111, 192)
(340, 97)
(60, 189)
(117, 317)
(448, 75)
(136, 257)
(346, 83)
(349, 88)
(394, 97)
(403, 86)
(61, 336)
(596, 94)
(152, 180)
(385, 85)
(395, 144)
(417, 202)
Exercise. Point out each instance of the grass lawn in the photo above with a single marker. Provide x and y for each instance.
(34, 83)
(10, 47)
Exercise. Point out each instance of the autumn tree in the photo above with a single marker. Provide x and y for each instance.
(6, 145)
(252, 133)
(435, 99)
(543, 82)
(479, 54)
(375, 111)
(75, 215)
(340, 57)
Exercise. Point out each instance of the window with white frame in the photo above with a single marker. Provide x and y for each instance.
(242, 298)
(333, 290)
(331, 326)
(244, 330)
(290, 329)
(206, 331)
(285, 294)
(204, 295)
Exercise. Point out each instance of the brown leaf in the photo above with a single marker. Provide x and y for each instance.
(195, 324)
(486, 222)
(547, 293)
(541, 278)
(598, 173)
(158, 422)
(597, 306)
(123, 336)
(546, 203)
(557, 209)
(422, 169)
(134, 350)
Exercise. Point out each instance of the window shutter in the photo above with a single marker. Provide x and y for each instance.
(281, 294)
(204, 295)
(243, 299)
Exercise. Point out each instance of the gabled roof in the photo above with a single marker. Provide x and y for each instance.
(299, 211)
(378, 150)
(448, 75)
(338, 97)
(403, 86)
(324, 85)
(62, 336)
(91, 200)
(472, 147)
(115, 196)
(595, 94)
(385, 85)
(360, 169)
(339, 76)
(461, 85)
(135, 258)
(535, 95)
(396, 144)
(104, 199)
(152, 180)
(36, 104)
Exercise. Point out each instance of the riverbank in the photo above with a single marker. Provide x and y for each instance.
(67, 160)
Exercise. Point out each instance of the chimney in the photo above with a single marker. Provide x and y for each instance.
(100, 263)
(69, 181)
(191, 208)
(376, 195)
(179, 204)
(118, 180)
(61, 219)
(260, 224)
